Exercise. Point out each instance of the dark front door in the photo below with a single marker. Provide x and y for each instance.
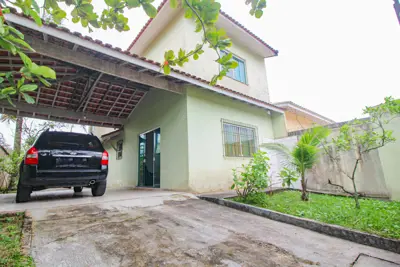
(149, 159)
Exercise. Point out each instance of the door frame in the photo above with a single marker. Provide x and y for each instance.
(138, 153)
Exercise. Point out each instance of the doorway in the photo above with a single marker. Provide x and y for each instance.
(149, 159)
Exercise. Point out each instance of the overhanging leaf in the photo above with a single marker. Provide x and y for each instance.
(167, 69)
(27, 61)
(35, 6)
(28, 88)
(173, 3)
(259, 13)
(44, 81)
(28, 98)
(35, 17)
(150, 10)
(43, 71)
(19, 41)
(132, 3)
(8, 91)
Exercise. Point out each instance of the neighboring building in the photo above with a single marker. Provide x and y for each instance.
(191, 141)
(300, 118)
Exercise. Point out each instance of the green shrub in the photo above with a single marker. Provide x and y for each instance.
(288, 177)
(253, 177)
(10, 165)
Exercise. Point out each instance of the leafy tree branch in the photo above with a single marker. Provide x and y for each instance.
(204, 12)
(361, 137)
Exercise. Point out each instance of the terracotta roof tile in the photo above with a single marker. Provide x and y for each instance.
(221, 12)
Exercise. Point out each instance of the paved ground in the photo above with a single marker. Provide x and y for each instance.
(159, 228)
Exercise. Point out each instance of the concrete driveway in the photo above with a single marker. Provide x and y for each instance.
(159, 228)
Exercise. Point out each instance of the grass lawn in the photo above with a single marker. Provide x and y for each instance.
(10, 242)
(375, 216)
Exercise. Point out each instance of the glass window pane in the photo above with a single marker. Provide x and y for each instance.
(237, 70)
(231, 74)
(238, 73)
(239, 141)
(242, 72)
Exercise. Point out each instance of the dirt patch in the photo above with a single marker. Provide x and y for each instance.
(155, 237)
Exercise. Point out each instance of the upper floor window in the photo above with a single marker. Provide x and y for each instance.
(239, 141)
(239, 73)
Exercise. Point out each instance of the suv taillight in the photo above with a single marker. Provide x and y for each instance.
(104, 158)
(32, 156)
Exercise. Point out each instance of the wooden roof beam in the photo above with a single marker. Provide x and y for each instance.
(100, 65)
(62, 113)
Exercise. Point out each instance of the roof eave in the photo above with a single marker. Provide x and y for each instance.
(74, 38)
(307, 112)
(164, 8)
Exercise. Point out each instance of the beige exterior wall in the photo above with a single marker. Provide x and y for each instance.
(159, 109)
(391, 161)
(180, 34)
(209, 170)
(192, 156)
(295, 122)
(377, 174)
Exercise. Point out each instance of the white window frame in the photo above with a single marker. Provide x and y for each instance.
(242, 125)
(245, 67)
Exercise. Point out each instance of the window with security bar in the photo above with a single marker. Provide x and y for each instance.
(239, 141)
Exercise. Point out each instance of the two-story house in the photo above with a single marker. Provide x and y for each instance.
(191, 141)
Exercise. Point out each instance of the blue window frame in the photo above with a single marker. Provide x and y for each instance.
(239, 73)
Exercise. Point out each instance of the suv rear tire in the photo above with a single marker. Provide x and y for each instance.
(99, 188)
(23, 193)
(78, 189)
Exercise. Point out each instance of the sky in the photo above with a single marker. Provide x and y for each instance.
(335, 57)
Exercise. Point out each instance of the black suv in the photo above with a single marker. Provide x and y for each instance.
(62, 159)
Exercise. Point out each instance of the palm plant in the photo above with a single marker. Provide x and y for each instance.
(304, 155)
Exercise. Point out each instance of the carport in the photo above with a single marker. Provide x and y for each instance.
(96, 84)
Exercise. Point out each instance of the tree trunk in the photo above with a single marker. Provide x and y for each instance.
(18, 134)
(17, 148)
(355, 194)
(304, 194)
(354, 180)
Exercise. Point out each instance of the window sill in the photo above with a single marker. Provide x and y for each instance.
(237, 157)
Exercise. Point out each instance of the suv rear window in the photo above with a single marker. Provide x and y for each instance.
(69, 141)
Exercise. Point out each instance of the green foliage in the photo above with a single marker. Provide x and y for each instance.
(377, 217)
(257, 7)
(305, 153)
(10, 165)
(253, 177)
(363, 136)
(205, 13)
(370, 133)
(10, 242)
(288, 177)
